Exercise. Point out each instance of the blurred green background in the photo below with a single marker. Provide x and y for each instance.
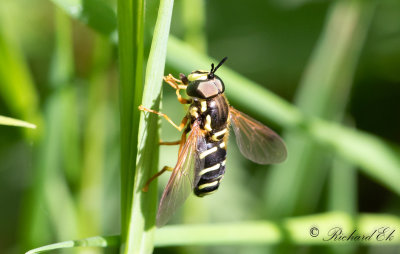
(336, 61)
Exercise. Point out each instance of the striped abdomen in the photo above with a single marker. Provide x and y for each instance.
(214, 169)
(214, 114)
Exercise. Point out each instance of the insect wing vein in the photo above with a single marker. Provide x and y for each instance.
(184, 177)
(256, 141)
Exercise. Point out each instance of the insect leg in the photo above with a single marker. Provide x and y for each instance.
(180, 142)
(180, 127)
(170, 143)
(177, 85)
(146, 186)
(174, 82)
(180, 99)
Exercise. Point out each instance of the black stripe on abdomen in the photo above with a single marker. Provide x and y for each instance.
(214, 169)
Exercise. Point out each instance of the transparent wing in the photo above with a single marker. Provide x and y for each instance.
(184, 177)
(256, 141)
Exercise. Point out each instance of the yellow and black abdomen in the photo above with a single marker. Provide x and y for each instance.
(214, 114)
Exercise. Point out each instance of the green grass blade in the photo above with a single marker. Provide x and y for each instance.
(142, 221)
(131, 39)
(342, 195)
(15, 122)
(291, 230)
(343, 187)
(97, 241)
(219, 234)
(294, 230)
(376, 158)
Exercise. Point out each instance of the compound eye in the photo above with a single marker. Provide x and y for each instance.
(220, 86)
(207, 89)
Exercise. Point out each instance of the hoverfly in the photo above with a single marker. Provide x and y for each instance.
(202, 155)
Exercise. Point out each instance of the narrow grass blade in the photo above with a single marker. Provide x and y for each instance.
(343, 187)
(15, 122)
(142, 217)
(375, 157)
(310, 229)
(97, 241)
(342, 195)
(259, 232)
(131, 39)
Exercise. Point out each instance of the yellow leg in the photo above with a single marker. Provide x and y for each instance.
(180, 142)
(146, 186)
(174, 82)
(170, 143)
(180, 99)
(177, 85)
(180, 127)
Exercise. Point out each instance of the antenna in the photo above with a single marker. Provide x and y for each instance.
(220, 63)
(213, 70)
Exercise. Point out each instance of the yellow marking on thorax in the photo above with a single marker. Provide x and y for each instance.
(206, 170)
(203, 186)
(217, 134)
(193, 112)
(203, 106)
(198, 76)
(207, 125)
(223, 163)
(222, 145)
(208, 152)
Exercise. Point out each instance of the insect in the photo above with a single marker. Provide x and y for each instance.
(202, 155)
